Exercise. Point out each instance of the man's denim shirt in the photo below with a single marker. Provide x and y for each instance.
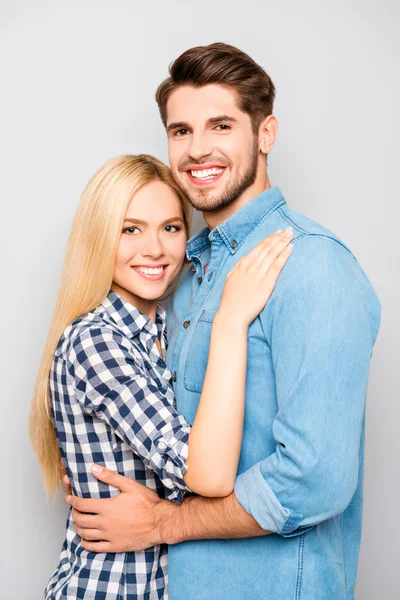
(301, 467)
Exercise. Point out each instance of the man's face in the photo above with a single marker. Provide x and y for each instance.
(213, 151)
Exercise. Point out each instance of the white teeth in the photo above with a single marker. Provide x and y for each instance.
(206, 173)
(149, 271)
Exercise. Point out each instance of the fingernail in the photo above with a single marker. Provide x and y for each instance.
(289, 248)
(289, 231)
(97, 469)
(65, 479)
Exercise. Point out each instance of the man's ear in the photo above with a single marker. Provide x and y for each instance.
(267, 133)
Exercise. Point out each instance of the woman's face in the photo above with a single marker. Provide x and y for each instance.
(152, 246)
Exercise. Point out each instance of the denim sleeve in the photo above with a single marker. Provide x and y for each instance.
(321, 324)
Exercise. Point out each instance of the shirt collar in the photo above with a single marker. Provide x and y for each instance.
(234, 230)
(129, 319)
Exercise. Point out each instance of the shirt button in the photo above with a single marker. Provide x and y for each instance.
(193, 269)
(200, 279)
(186, 324)
(234, 244)
(173, 377)
(162, 445)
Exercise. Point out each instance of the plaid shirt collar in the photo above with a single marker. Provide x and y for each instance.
(130, 320)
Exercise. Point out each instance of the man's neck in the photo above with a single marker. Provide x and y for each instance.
(213, 219)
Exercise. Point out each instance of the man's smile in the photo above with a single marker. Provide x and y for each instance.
(204, 174)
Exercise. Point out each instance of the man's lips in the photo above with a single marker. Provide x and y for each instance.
(150, 272)
(205, 174)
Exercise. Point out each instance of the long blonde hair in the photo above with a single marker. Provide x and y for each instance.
(87, 276)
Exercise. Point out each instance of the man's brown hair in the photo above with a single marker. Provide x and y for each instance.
(225, 65)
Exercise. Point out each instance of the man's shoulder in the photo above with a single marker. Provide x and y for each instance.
(306, 228)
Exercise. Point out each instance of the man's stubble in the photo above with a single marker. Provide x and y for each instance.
(207, 203)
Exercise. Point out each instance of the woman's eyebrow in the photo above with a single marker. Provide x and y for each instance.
(173, 219)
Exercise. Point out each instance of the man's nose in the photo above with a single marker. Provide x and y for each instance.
(200, 146)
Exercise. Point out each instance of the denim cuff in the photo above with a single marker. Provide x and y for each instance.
(258, 499)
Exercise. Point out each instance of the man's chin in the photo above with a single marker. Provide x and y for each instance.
(208, 202)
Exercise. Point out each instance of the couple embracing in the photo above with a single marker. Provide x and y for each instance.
(217, 451)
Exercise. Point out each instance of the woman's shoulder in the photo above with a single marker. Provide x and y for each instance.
(92, 329)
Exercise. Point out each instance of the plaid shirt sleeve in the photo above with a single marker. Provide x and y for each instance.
(111, 384)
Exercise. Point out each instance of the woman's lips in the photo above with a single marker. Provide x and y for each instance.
(151, 276)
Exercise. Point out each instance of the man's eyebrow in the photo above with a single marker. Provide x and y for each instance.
(177, 125)
(220, 118)
(211, 121)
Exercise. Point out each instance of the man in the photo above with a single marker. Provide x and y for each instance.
(292, 527)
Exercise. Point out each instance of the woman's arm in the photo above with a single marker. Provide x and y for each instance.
(111, 386)
(216, 435)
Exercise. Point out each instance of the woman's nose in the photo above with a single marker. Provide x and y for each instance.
(152, 246)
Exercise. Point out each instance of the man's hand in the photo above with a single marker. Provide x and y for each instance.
(64, 481)
(128, 522)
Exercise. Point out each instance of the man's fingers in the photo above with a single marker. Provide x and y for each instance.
(90, 534)
(65, 485)
(96, 546)
(87, 505)
(124, 484)
(86, 521)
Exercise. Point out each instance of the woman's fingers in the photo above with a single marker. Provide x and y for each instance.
(273, 271)
(268, 242)
(269, 251)
(252, 258)
(267, 257)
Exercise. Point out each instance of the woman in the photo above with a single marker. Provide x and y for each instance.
(110, 398)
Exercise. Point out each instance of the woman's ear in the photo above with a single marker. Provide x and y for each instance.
(267, 133)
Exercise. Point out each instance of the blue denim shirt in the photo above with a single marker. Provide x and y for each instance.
(300, 473)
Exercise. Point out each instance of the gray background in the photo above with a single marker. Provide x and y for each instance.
(78, 80)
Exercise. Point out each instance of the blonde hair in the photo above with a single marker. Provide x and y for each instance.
(87, 276)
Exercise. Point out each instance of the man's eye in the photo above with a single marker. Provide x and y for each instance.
(180, 132)
(222, 127)
(131, 230)
(172, 228)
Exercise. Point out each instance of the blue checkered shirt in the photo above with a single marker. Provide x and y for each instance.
(113, 404)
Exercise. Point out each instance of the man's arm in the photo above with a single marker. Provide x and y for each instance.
(137, 518)
(323, 326)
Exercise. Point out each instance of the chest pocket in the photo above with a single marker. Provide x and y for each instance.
(197, 358)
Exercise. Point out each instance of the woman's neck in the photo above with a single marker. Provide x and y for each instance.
(146, 307)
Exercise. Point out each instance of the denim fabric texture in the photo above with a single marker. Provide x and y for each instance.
(301, 467)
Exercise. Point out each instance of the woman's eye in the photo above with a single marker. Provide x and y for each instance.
(172, 228)
(131, 230)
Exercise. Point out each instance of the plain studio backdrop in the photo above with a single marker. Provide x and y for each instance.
(78, 83)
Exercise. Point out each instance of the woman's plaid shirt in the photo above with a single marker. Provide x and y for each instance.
(113, 404)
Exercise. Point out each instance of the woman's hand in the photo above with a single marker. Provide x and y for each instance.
(250, 283)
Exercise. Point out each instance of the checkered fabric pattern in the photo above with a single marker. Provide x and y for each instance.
(113, 404)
